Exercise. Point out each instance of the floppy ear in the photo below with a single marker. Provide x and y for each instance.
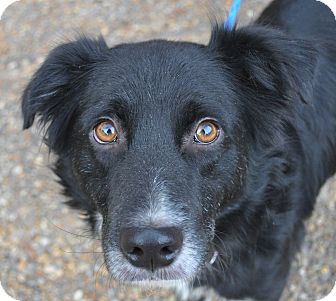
(272, 69)
(53, 93)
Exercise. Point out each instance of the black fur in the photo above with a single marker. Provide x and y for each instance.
(271, 87)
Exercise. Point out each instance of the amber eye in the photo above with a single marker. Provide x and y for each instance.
(105, 132)
(206, 132)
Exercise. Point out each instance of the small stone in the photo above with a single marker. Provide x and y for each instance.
(12, 65)
(78, 295)
(44, 241)
(3, 202)
(38, 160)
(21, 278)
(53, 271)
(38, 184)
(17, 170)
(40, 60)
(324, 270)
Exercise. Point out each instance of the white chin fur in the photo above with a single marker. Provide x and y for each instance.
(166, 284)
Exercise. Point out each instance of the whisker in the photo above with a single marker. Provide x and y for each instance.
(82, 252)
(69, 232)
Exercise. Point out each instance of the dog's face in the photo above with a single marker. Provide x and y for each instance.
(155, 146)
(153, 141)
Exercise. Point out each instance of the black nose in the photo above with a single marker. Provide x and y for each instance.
(151, 248)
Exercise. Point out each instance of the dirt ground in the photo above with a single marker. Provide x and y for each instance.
(46, 253)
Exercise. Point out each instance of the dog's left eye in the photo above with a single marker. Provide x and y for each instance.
(206, 132)
(105, 132)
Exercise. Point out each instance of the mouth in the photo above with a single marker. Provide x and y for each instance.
(159, 283)
(126, 273)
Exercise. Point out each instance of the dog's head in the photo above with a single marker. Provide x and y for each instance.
(155, 139)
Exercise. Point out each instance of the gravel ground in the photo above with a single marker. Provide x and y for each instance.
(46, 253)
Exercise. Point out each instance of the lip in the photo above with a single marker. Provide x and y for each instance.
(158, 278)
(154, 280)
(158, 283)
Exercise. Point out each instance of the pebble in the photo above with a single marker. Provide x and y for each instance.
(78, 295)
(44, 241)
(3, 202)
(18, 170)
(12, 65)
(52, 271)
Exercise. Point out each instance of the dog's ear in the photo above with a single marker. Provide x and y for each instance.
(268, 59)
(272, 69)
(54, 92)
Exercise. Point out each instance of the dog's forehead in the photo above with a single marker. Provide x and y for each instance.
(159, 57)
(157, 81)
(156, 71)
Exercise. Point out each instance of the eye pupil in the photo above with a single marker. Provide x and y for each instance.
(107, 129)
(206, 130)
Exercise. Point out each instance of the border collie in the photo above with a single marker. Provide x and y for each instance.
(197, 163)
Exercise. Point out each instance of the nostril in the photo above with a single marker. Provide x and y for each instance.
(138, 252)
(168, 254)
(166, 251)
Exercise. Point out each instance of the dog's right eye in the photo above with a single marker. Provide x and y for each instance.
(207, 132)
(105, 132)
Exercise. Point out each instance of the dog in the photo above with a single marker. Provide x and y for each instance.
(196, 163)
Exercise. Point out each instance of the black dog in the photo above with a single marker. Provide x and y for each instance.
(197, 162)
